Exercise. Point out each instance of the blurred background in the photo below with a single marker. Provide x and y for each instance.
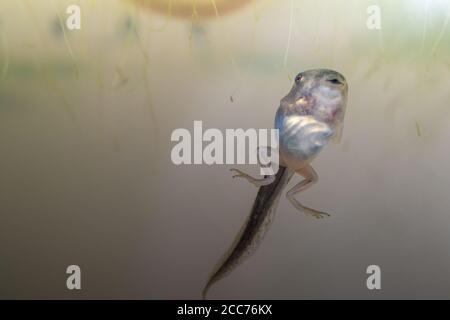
(86, 176)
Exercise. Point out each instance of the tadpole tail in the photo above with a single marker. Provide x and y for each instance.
(254, 229)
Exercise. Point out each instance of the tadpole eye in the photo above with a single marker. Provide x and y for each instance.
(334, 81)
(298, 78)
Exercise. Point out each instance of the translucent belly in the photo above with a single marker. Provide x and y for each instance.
(301, 138)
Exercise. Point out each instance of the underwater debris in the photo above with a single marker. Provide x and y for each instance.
(128, 27)
(121, 79)
(5, 51)
(425, 26)
(291, 22)
(56, 29)
(67, 42)
(418, 129)
(198, 31)
(441, 34)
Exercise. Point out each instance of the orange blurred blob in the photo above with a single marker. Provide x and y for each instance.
(190, 8)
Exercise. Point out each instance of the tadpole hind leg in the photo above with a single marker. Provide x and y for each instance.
(255, 181)
(310, 178)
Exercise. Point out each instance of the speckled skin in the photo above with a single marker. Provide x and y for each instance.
(310, 115)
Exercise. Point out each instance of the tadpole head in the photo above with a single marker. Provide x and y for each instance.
(319, 92)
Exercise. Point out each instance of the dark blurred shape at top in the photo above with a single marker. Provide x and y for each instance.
(193, 8)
